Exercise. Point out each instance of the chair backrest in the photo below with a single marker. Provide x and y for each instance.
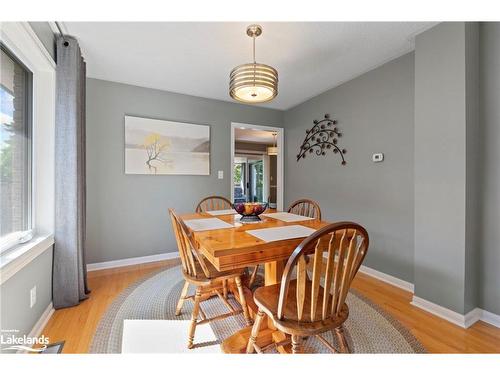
(213, 203)
(336, 252)
(192, 261)
(305, 207)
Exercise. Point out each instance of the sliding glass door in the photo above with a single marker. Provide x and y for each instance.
(249, 178)
(240, 180)
(256, 181)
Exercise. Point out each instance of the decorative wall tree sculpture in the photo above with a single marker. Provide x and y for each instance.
(321, 138)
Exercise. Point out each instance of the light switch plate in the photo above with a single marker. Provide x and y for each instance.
(33, 296)
(220, 175)
(377, 158)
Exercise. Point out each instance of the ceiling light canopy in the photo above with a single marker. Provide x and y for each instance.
(254, 82)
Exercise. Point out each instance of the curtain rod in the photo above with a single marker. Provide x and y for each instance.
(62, 34)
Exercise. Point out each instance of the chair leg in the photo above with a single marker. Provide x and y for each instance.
(194, 317)
(255, 332)
(224, 288)
(243, 301)
(344, 346)
(296, 344)
(182, 298)
(253, 276)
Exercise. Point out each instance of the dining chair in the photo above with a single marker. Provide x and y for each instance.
(314, 302)
(305, 207)
(213, 203)
(207, 280)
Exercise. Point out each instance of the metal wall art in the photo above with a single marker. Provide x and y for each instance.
(321, 138)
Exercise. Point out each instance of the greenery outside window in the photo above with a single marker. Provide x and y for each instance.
(16, 222)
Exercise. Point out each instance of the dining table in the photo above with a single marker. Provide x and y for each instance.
(234, 248)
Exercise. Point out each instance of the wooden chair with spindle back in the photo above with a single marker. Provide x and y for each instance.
(206, 278)
(305, 207)
(213, 203)
(314, 303)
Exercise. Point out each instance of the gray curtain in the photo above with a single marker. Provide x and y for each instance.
(69, 279)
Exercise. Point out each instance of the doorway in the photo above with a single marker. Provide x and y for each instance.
(257, 164)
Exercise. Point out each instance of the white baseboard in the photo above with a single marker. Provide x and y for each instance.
(387, 278)
(472, 317)
(490, 318)
(442, 312)
(37, 329)
(461, 320)
(131, 261)
(42, 322)
(464, 321)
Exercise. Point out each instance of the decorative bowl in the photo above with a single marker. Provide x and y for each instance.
(250, 211)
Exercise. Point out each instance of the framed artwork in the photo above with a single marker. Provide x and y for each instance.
(162, 147)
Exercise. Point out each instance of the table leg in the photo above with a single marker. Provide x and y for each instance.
(237, 342)
(273, 272)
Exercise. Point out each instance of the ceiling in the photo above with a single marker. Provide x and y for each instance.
(195, 58)
(254, 136)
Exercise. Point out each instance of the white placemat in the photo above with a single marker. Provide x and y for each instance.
(281, 233)
(199, 225)
(287, 217)
(221, 212)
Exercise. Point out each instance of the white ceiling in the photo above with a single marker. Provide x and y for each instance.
(254, 136)
(196, 58)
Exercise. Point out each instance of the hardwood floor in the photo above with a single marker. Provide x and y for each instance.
(76, 325)
(436, 334)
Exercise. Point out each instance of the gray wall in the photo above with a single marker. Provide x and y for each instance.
(15, 311)
(490, 121)
(445, 131)
(375, 114)
(127, 215)
(46, 36)
(473, 172)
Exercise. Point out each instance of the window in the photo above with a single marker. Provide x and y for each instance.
(15, 151)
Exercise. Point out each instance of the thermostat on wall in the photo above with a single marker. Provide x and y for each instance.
(377, 158)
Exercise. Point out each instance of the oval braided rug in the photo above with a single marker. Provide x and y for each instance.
(369, 329)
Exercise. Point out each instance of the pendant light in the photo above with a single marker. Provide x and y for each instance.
(274, 149)
(253, 82)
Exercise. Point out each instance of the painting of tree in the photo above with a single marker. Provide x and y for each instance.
(162, 147)
(154, 147)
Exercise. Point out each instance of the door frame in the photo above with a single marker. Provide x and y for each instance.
(280, 161)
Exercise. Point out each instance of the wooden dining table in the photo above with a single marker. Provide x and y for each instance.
(233, 248)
